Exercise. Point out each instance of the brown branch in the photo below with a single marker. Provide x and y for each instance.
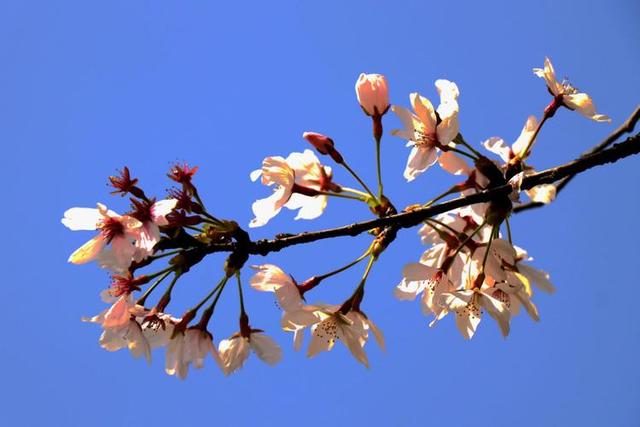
(626, 127)
(412, 218)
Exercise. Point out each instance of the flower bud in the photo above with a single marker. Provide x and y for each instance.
(373, 94)
(321, 142)
(324, 145)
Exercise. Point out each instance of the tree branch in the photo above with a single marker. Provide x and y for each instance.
(626, 127)
(412, 218)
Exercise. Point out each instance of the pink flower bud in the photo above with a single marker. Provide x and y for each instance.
(373, 94)
(321, 142)
(324, 145)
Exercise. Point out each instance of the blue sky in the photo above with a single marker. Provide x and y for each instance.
(87, 87)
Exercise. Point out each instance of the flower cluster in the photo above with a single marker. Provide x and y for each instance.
(470, 267)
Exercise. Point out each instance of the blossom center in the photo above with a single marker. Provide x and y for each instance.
(567, 88)
(424, 139)
(111, 228)
(328, 330)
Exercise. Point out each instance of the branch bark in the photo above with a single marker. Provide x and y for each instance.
(412, 218)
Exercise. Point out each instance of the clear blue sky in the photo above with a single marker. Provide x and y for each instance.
(87, 87)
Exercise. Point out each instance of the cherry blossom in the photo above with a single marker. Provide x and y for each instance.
(235, 351)
(428, 130)
(121, 330)
(190, 347)
(152, 216)
(119, 231)
(568, 95)
(331, 325)
(297, 180)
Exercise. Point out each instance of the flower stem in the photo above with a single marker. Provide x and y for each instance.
(208, 312)
(344, 196)
(463, 153)
(341, 269)
(486, 253)
(161, 272)
(445, 194)
(357, 177)
(545, 116)
(442, 224)
(241, 295)
(460, 140)
(378, 168)
(468, 238)
(220, 285)
(354, 191)
(506, 221)
(165, 254)
(166, 297)
(144, 296)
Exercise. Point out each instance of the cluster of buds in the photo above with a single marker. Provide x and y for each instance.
(471, 265)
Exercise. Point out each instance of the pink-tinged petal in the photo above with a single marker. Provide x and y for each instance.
(136, 342)
(456, 300)
(416, 271)
(265, 209)
(112, 339)
(161, 209)
(318, 342)
(82, 218)
(420, 159)
(233, 353)
(447, 90)
(255, 175)
(537, 277)
(449, 127)
(377, 333)
(408, 290)
(131, 225)
(425, 112)
(298, 336)
(498, 146)
(351, 340)
(543, 193)
(525, 136)
(297, 319)
(549, 76)
(467, 324)
(148, 236)
(529, 306)
(515, 182)
(498, 310)
(408, 119)
(265, 348)
(309, 207)
(452, 163)
(373, 93)
(583, 104)
(174, 359)
(118, 314)
(123, 252)
(275, 170)
(269, 277)
(89, 251)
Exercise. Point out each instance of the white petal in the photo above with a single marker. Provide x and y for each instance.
(419, 161)
(265, 348)
(82, 218)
